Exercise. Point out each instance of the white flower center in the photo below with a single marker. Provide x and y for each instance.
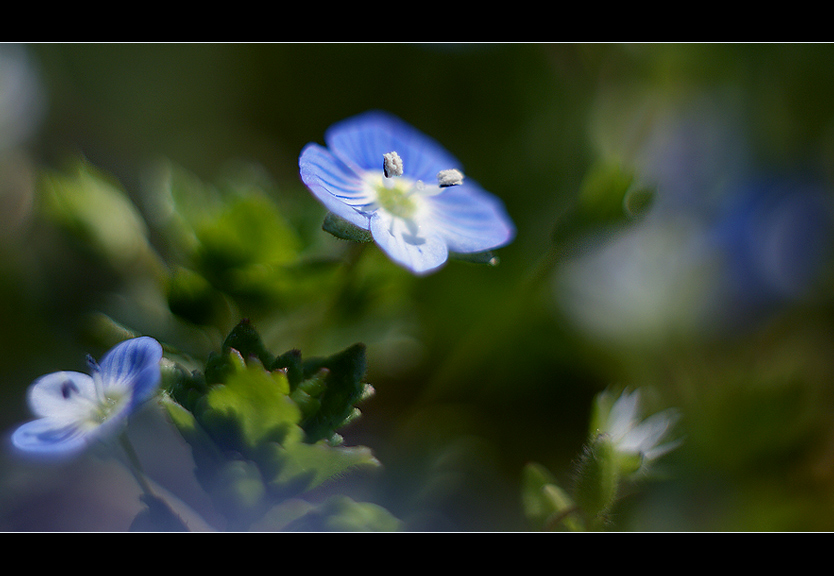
(401, 196)
(110, 400)
(108, 406)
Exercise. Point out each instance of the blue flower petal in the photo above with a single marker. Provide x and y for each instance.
(338, 187)
(470, 219)
(133, 363)
(361, 141)
(418, 249)
(49, 438)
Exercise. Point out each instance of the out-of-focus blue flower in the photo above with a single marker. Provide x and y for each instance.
(775, 239)
(74, 409)
(619, 421)
(384, 176)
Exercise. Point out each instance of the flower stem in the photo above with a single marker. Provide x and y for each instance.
(134, 465)
(353, 255)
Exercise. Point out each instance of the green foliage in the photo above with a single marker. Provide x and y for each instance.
(596, 483)
(342, 514)
(597, 480)
(335, 384)
(546, 505)
(337, 513)
(192, 297)
(610, 196)
(231, 244)
(263, 428)
(97, 213)
(243, 244)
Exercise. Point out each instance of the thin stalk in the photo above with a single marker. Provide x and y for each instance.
(134, 465)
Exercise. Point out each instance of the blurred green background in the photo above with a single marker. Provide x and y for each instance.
(477, 370)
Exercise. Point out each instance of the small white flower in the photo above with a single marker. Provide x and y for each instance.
(76, 409)
(619, 421)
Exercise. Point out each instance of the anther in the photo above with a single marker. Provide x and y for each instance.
(92, 364)
(449, 177)
(392, 164)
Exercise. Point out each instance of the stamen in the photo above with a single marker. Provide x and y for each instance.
(93, 365)
(392, 164)
(449, 177)
(95, 370)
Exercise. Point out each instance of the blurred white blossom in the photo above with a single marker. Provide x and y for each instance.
(619, 420)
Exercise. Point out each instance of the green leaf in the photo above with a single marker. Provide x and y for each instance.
(192, 298)
(95, 209)
(204, 450)
(546, 505)
(246, 340)
(253, 414)
(290, 362)
(343, 387)
(308, 394)
(238, 492)
(603, 190)
(252, 407)
(294, 466)
(337, 513)
(342, 514)
(248, 427)
(233, 235)
(246, 230)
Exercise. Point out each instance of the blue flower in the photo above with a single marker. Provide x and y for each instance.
(75, 409)
(775, 237)
(384, 176)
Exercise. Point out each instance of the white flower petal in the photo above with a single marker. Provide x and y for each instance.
(629, 434)
(642, 437)
(623, 415)
(63, 396)
(420, 249)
